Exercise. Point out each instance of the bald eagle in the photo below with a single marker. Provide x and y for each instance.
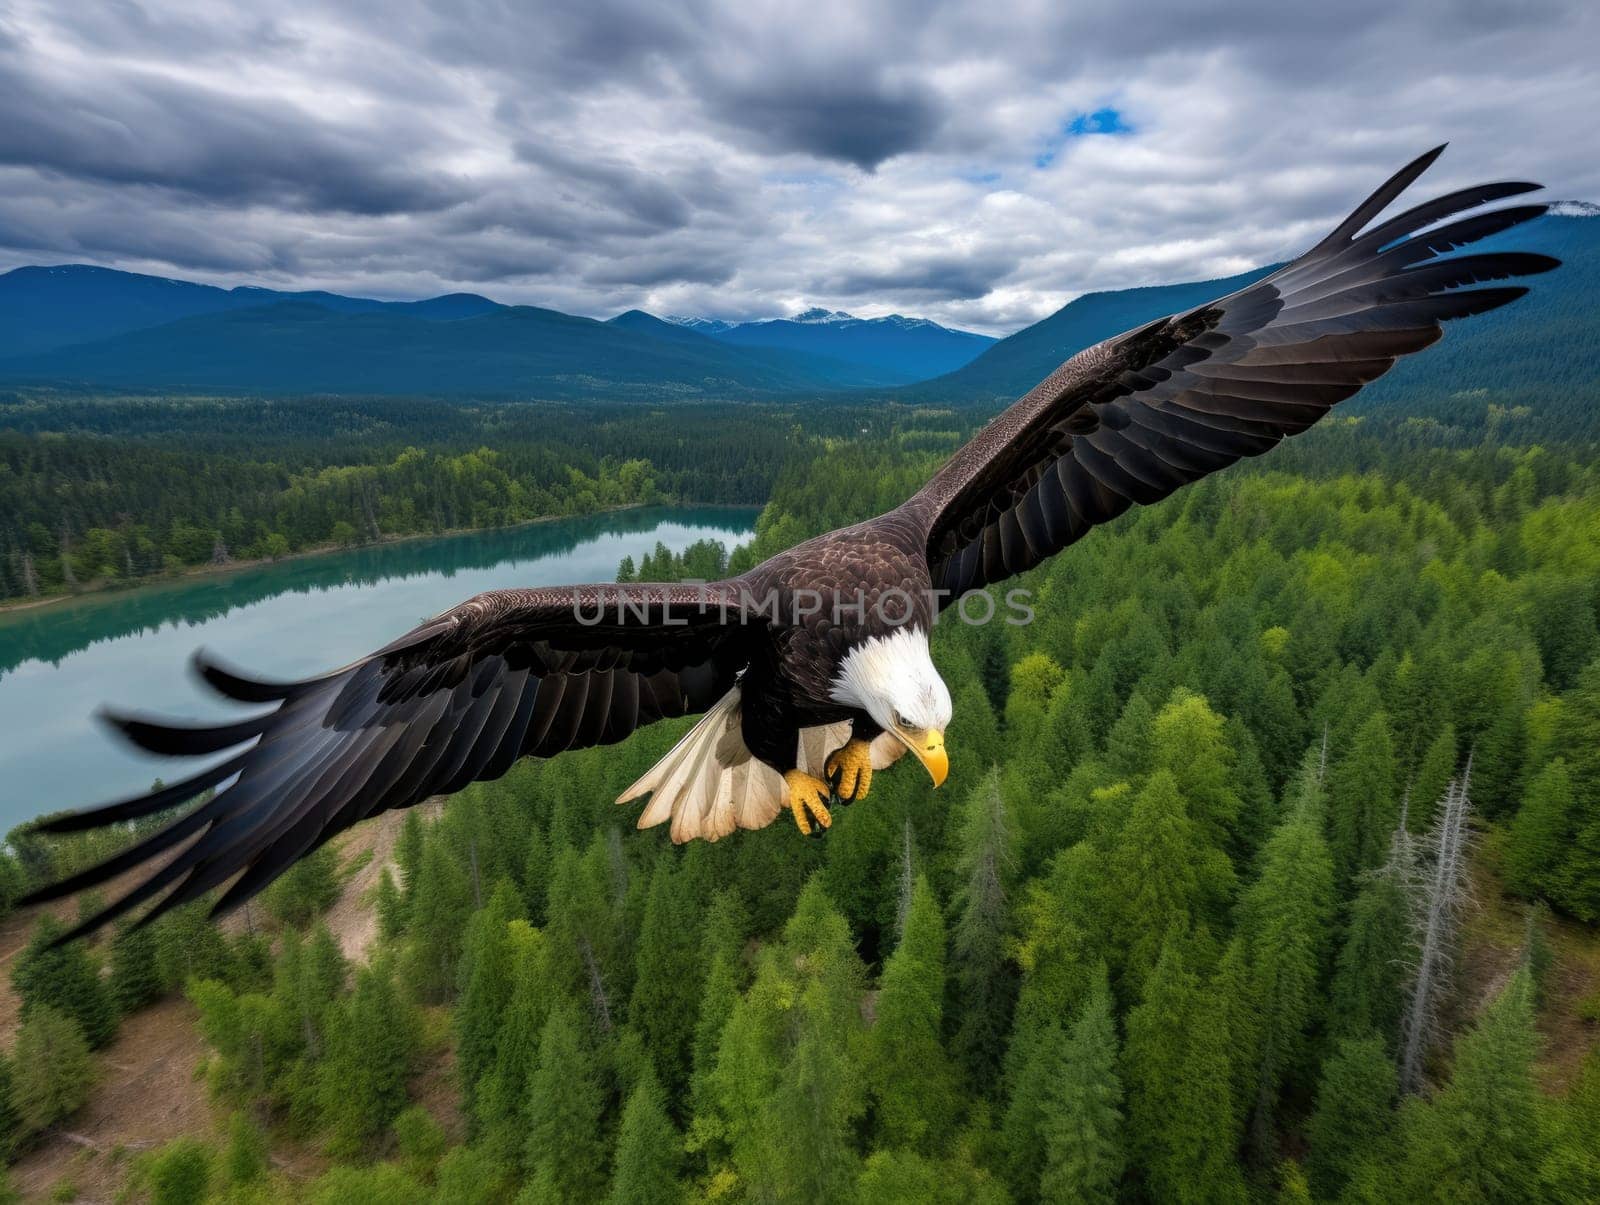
(812, 670)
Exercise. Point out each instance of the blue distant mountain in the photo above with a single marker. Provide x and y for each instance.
(97, 328)
(898, 348)
(42, 308)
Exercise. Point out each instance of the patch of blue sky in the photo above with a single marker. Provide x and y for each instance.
(1105, 120)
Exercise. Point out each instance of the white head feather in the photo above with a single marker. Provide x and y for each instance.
(893, 676)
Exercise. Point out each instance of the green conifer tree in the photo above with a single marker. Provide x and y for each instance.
(913, 1083)
(1163, 874)
(1541, 832)
(985, 981)
(1362, 800)
(135, 977)
(1285, 919)
(649, 1150)
(487, 977)
(667, 977)
(1082, 1123)
(51, 1073)
(1180, 1107)
(565, 1154)
(373, 1039)
(1355, 1111)
(65, 978)
(1482, 1138)
(438, 902)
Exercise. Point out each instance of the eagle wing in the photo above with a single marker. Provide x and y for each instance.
(507, 674)
(1135, 417)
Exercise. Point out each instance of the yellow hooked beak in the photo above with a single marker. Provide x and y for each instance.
(929, 750)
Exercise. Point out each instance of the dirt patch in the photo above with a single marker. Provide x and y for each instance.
(352, 920)
(145, 1094)
(1494, 937)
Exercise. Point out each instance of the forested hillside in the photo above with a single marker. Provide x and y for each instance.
(1192, 920)
(108, 490)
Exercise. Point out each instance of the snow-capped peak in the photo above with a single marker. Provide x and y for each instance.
(1575, 209)
(706, 326)
(816, 314)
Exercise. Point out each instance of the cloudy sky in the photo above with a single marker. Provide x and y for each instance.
(977, 163)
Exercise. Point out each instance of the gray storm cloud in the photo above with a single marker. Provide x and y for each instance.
(742, 159)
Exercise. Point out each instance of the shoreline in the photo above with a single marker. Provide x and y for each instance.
(11, 606)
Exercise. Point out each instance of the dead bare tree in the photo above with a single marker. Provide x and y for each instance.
(1438, 895)
(902, 904)
(30, 576)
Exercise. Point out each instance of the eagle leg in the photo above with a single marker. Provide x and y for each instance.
(808, 798)
(848, 770)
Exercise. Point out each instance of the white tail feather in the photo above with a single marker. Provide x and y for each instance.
(709, 783)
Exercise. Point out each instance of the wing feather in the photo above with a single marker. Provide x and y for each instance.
(1136, 417)
(505, 675)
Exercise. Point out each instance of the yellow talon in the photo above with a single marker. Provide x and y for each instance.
(848, 770)
(808, 795)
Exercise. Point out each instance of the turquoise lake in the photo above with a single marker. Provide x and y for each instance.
(58, 663)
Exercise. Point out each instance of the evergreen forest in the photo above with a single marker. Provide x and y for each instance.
(1268, 868)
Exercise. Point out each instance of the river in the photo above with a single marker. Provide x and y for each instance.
(58, 663)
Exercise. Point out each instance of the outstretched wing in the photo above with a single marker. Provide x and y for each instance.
(1136, 417)
(507, 674)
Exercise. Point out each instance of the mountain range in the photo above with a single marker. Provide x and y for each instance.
(100, 328)
(910, 349)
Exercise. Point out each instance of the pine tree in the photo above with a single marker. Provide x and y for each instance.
(486, 975)
(63, 977)
(1355, 1111)
(373, 1037)
(1285, 918)
(1164, 876)
(536, 872)
(788, 1076)
(51, 1070)
(666, 986)
(135, 977)
(1180, 1108)
(1577, 881)
(985, 983)
(1129, 743)
(501, 1101)
(438, 902)
(1368, 990)
(649, 1150)
(912, 1081)
(390, 906)
(1362, 798)
(1189, 740)
(308, 888)
(1541, 832)
(1482, 1138)
(565, 1153)
(1082, 1125)
(1433, 775)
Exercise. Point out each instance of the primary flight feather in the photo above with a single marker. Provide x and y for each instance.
(813, 669)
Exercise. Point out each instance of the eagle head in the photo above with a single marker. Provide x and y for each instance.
(893, 680)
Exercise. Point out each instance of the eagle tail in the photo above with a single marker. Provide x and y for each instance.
(710, 784)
